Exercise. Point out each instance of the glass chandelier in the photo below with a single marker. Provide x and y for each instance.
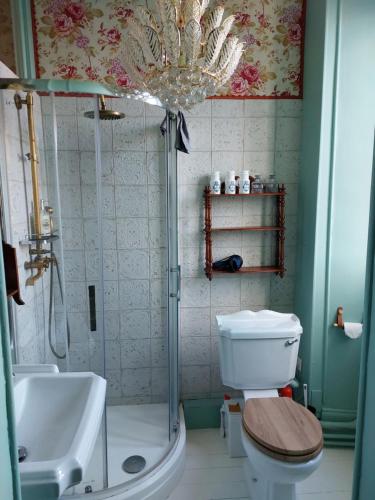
(182, 54)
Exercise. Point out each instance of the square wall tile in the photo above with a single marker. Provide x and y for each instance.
(259, 134)
(255, 290)
(135, 353)
(72, 230)
(227, 134)
(88, 167)
(134, 294)
(259, 162)
(200, 133)
(129, 134)
(195, 351)
(132, 233)
(86, 134)
(133, 264)
(195, 292)
(135, 324)
(74, 265)
(136, 382)
(91, 234)
(225, 291)
(194, 168)
(75, 296)
(130, 168)
(131, 201)
(195, 379)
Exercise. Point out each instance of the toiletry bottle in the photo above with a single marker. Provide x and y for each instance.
(257, 185)
(244, 182)
(44, 219)
(230, 183)
(215, 184)
(271, 186)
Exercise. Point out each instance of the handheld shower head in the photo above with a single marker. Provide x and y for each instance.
(104, 113)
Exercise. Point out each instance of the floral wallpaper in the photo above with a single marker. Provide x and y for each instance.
(81, 38)
(6, 36)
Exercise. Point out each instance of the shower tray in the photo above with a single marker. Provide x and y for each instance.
(58, 417)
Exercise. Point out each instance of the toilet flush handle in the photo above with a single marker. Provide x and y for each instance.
(290, 342)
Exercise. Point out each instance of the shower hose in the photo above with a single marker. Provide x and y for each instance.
(53, 264)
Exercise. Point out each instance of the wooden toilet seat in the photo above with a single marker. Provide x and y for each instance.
(283, 429)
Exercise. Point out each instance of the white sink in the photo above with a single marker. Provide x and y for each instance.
(58, 416)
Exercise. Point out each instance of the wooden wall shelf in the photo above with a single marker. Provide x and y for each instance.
(278, 268)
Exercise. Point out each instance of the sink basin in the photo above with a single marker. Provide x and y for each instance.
(58, 416)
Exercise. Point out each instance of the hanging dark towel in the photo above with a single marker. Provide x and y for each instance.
(182, 138)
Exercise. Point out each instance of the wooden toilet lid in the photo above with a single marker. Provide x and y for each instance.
(283, 429)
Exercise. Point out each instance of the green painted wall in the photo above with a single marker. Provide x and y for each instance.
(335, 194)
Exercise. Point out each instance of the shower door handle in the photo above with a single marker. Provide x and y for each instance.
(179, 283)
(92, 308)
(177, 295)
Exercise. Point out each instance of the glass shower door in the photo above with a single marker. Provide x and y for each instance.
(73, 164)
(118, 188)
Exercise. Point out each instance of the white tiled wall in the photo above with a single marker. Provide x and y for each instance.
(262, 136)
(30, 320)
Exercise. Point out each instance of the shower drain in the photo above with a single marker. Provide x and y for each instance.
(133, 464)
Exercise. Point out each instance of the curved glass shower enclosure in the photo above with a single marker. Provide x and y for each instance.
(111, 180)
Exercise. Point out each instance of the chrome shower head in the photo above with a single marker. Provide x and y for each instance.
(104, 113)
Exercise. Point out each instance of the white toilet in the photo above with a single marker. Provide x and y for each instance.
(283, 441)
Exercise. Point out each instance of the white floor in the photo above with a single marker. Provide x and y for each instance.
(211, 474)
(132, 430)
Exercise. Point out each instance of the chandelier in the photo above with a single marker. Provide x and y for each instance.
(182, 54)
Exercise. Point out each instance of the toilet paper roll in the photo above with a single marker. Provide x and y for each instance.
(353, 330)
